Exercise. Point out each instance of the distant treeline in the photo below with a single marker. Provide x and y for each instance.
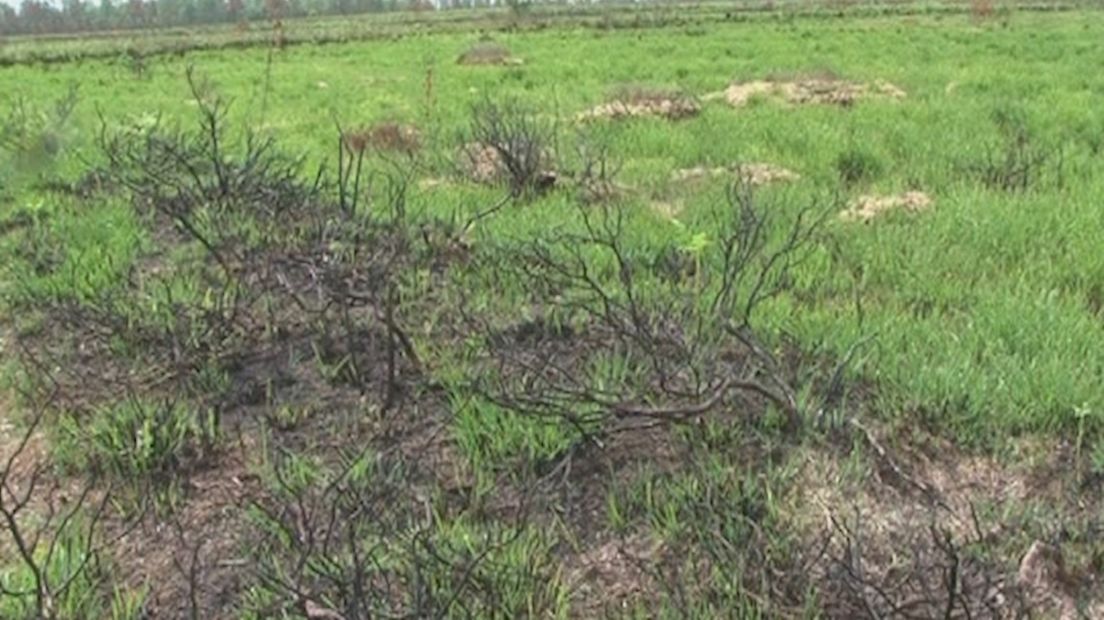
(71, 16)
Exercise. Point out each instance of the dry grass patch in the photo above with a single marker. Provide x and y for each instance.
(480, 163)
(638, 101)
(869, 207)
(384, 137)
(484, 164)
(806, 90)
(667, 209)
(755, 173)
(488, 53)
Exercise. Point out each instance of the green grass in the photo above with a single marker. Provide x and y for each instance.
(74, 573)
(982, 307)
(136, 440)
(983, 314)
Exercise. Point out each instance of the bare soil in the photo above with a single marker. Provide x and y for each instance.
(902, 513)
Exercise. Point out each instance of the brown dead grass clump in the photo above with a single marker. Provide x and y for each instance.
(637, 101)
(755, 173)
(396, 137)
(817, 89)
(385, 137)
(488, 53)
(868, 207)
(482, 163)
(981, 9)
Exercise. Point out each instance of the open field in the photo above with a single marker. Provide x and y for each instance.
(322, 30)
(785, 316)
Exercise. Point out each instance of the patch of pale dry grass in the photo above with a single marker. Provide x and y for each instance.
(869, 207)
(818, 89)
(384, 137)
(638, 101)
(488, 53)
(755, 173)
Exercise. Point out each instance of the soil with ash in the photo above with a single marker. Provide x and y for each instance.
(869, 207)
(921, 515)
(615, 574)
(197, 555)
(606, 570)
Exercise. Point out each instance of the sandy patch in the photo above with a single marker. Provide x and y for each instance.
(594, 192)
(430, 183)
(667, 209)
(481, 163)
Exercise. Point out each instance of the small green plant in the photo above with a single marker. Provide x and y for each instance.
(694, 247)
(129, 604)
(62, 582)
(493, 437)
(137, 439)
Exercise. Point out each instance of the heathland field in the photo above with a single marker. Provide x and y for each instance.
(669, 314)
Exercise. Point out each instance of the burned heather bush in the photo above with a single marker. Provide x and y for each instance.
(647, 349)
(248, 260)
(260, 292)
(936, 574)
(595, 173)
(225, 198)
(1017, 161)
(508, 143)
(52, 530)
(357, 541)
(281, 256)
